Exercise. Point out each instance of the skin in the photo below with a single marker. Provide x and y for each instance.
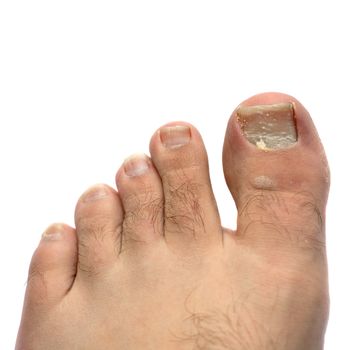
(150, 266)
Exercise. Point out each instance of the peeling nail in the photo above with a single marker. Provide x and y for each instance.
(268, 126)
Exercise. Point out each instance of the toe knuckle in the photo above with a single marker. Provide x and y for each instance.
(97, 227)
(144, 205)
(183, 210)
(293, 218)
(144, 210)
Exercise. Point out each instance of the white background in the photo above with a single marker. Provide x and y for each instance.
(85, 83)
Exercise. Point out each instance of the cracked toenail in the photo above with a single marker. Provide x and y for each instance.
(175, 136)
(136, 165)
(95, 194)
(51, 236)
(268, 126)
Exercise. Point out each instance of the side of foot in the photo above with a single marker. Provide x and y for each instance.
(150, 267)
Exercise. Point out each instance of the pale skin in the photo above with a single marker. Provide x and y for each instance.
(149, 265)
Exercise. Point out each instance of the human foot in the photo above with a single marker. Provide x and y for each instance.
(151, 267)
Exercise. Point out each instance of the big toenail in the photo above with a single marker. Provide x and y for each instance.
(136, 165)
(175, 136)
(268, 126)
(95, 194)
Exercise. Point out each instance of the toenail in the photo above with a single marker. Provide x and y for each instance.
(95, 194)
(51, 236)
(175, 136)
(268, 126)
(136, 165)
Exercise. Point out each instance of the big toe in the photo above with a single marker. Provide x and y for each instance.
(277, 172)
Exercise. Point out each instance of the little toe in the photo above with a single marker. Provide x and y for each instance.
(190, 211)
(98, 219)
(277, 172)
(51, 275)
(141, 192)
(53, 266)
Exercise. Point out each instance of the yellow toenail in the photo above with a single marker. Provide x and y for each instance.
(268, 126)
(51, 236)
(136, 165)
(95, 194)
(175, 136)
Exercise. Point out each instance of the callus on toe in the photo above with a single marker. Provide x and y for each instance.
(268, 126)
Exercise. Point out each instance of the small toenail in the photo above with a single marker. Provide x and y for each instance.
(268, 126)
(175, 136)
(136, 165)
(95, 194)
(51, 236)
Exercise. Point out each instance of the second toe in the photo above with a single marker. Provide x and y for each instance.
(191, 216)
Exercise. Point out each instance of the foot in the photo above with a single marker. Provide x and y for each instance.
(150, 267)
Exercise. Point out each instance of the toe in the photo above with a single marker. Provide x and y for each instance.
(51, 275)
(141, 192)
(277, 172)
(190, 211)
(53, 266)
(98, 219)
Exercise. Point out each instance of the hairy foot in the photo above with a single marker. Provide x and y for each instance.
(150, 267)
